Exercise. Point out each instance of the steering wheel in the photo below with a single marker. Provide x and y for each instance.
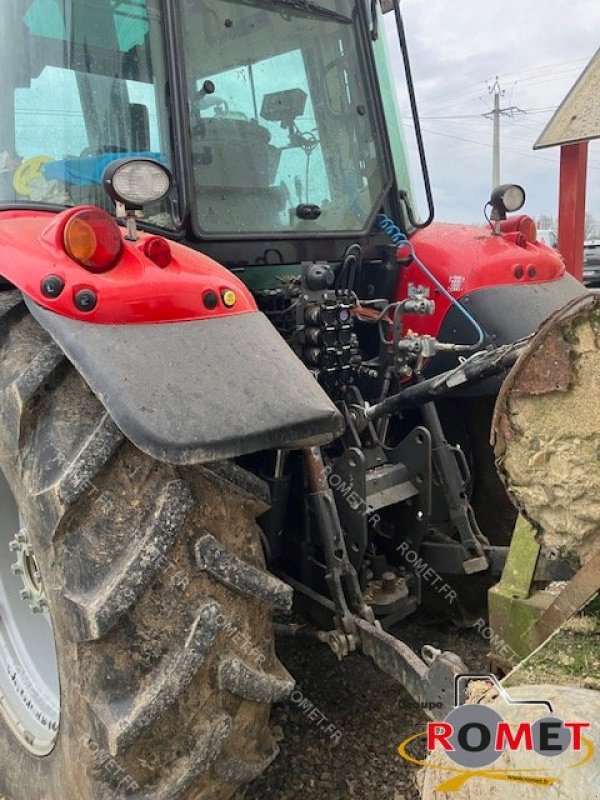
(211, 100)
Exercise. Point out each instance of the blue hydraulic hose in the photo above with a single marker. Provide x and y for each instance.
(388, 226)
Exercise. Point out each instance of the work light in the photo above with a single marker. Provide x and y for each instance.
(506, 198)
(136, 182)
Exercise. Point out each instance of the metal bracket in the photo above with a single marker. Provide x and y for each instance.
(454, 481)
(523, 555)
(517, 611)
(430, 681)
(447, 558)
(350, 470)
(415, 452)
(341, 576)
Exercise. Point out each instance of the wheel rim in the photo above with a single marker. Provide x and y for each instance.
(29, 682)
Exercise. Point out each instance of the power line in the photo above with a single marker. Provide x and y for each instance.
(453, 94)
(487, 145)
(529, 128)
(508, 137)
(544, 69)
(550, 79)
(456, 116)
(478, 116)
(508, 111)
(548, 73)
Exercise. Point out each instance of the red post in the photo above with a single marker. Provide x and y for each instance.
(571, 205)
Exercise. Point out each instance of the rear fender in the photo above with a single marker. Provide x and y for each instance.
(185, 383)
(467, 259)
(510, 288)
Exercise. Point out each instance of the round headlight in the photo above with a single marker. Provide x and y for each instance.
(514, 198)
(136, 182)
(508, 197)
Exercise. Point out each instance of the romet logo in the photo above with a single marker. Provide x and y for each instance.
(475, 736)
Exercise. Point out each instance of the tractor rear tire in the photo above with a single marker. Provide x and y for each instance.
(156, 590)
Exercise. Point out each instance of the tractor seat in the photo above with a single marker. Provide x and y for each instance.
(233, 153)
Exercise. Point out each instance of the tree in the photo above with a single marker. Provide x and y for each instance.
(546, 222)
(592, 227)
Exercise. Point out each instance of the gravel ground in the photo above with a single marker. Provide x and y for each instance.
(370, 713)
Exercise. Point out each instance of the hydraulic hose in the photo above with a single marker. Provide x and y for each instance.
(388, 226)
(485, 365)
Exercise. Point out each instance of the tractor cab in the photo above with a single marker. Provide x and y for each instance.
(275, 118)
(236, 372)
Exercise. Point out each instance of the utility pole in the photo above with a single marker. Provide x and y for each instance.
(496, 144)
(498, 92)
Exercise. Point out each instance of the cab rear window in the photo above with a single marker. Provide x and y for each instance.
(45, 18)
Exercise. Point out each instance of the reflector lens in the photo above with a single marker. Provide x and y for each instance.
(211, 301)
(93, 239)
(229, 298)
(141, 182)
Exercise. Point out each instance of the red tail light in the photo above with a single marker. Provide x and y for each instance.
(528, 228)
(158, 251)
(520, 224)
(92, 238)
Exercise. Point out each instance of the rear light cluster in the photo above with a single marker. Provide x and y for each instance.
(528, 228)
(520, 228)
(93, 239)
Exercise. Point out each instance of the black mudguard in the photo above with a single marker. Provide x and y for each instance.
(200, 391)
(506, 314)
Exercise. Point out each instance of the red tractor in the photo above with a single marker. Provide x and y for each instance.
(236, 371)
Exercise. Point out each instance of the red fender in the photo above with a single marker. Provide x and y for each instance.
(466, 258)
(135, 290)
(186, 383)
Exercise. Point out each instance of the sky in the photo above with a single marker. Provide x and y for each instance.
(537, 48)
